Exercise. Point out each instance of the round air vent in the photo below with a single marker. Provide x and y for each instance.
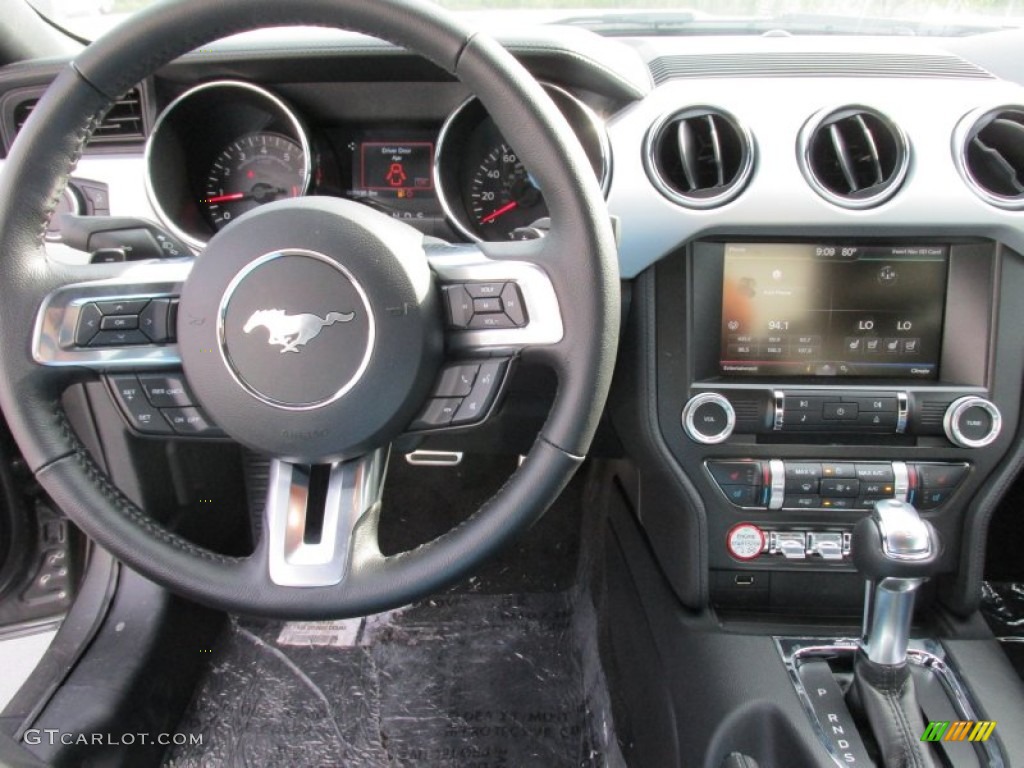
(990, 148)
(854, 157)
(699, 157)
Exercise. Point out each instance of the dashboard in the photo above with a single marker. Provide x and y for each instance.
(821, 236)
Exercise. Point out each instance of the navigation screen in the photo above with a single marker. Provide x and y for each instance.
(832, 310)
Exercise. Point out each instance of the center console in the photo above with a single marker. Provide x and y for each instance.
(799, 381)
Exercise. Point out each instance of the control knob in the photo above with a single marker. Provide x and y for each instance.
(708, 418)
(972, 422)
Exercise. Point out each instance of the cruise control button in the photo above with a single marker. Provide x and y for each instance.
(456, 381)
(438, 413)
(166, 390)
(841, 487)
(512, 301)
(484, 290)
(940, 475)
(89, 320)
(122, 306)
(191, 421)
(141, 415)
(118, 338)
(735, 472)
(119, 323)
(742, 495)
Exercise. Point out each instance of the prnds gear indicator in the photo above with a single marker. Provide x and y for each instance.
(403, 168)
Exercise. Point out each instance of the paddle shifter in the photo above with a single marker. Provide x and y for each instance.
(896, 551)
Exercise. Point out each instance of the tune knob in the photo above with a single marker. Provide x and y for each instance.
(708, 418)
(972, 422)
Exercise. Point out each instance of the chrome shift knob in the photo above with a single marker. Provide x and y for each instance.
(896, 551)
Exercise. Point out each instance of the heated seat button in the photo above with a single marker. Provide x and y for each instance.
(735, 472)
(940, 475)
(166, 390)
(89, 320)
(742, 495)
(930, 499)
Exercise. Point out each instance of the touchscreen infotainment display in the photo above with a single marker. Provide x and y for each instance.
(793, 309)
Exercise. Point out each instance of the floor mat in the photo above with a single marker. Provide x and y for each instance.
(468, 680)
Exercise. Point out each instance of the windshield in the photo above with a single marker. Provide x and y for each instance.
(90, 18)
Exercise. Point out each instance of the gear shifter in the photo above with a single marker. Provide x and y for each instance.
(896, 551)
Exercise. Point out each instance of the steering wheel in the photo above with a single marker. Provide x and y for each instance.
(335, 395)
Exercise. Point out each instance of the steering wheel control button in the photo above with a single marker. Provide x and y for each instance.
(122, 306)
(438, 413)
(166, 390)
(476, 405)
(745, 541)
(141, 415)
(302, 312)
(89, 320)
(972, 422)
(484, 306)
(153, 321)
(708, 418)
(460, 306)
(191, 422)
(119, 323)
(118, 339)
(456, 381)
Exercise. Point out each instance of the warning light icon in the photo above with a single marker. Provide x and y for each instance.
(396, 175)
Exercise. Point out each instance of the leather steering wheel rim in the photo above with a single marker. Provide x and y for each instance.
(584, 276)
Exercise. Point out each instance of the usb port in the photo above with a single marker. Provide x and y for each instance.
(743, 579)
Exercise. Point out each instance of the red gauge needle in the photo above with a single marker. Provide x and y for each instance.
(225, 198)
(500, 212)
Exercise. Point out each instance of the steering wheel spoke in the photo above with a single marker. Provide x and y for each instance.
(123, 316)
(499, 298)
(312, 515)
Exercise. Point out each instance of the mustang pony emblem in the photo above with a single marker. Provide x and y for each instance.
(293, 331)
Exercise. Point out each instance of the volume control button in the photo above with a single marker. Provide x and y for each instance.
(708, 418)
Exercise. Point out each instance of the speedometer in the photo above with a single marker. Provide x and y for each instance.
(258, 168)
(503, 196)
(484, 189)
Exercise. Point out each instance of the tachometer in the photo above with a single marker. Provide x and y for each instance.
(502, 195)
(257, 168)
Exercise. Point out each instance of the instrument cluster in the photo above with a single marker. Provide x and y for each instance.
(223, 148)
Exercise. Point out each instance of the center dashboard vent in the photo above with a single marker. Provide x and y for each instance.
(125, 123)
(992, 156)
(854, 157)
(699, 157)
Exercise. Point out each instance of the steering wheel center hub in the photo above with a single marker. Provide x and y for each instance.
(296, 329)
(310, 330)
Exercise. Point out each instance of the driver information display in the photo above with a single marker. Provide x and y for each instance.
(832, 310)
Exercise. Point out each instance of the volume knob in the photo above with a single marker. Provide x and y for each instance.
(708, 418)
(972, 422)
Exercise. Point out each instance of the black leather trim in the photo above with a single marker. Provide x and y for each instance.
(886, 696)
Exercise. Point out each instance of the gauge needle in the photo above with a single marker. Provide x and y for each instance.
(500, 212)
(225, 198)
